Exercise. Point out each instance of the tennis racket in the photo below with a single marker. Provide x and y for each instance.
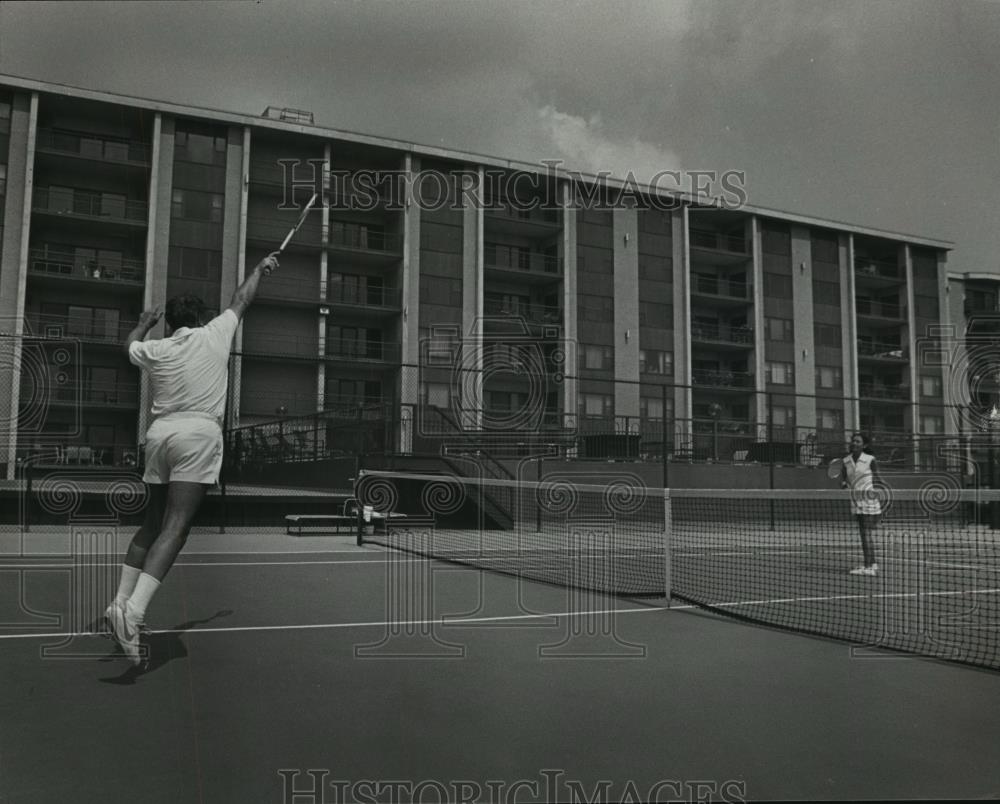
(835, 469)
(295, 228)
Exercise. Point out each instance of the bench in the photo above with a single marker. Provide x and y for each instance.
(300, 520)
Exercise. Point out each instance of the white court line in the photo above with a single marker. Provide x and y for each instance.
(458, 622)
(450, 623)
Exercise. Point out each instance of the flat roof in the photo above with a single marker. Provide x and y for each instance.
(238, 118)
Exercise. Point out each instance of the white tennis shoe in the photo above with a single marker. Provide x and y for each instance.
(870, 570)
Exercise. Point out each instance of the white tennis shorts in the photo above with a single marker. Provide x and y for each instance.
(184, 447)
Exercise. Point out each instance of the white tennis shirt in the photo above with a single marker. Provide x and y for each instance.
(188, 372)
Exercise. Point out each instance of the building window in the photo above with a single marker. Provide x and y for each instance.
(829, 377)
(652, 361)
(4, 117)
(195, 205)
(778, 329)
(776, 241)
(782, 416)
(780, 373)
(826, 293)
(932, 425)
(930, 386)
(596, 405)
(194, 263)
(828, 335)
(830, 419)
(599, 309)
(824, 249)
(437, 394)
(777, 286)
(653, 408)
(3, 180)
(600, 358)
(652, 314)
(205, 149)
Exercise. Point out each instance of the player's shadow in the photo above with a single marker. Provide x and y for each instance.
(163, 648)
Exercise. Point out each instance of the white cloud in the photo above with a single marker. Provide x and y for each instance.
(586, 145)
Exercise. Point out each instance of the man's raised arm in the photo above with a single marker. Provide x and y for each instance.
(246, 292)
(147, 321)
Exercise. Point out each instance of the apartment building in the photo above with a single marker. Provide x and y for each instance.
(480, 301)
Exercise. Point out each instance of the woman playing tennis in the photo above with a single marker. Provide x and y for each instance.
(859, 474)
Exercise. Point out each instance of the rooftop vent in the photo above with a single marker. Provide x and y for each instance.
(288, 115)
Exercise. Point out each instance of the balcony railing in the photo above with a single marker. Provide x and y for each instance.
(536, 313)
(722, 379)
(508, 211)
(877, 391)
(82, 328)
(114, 395)
(80, 454)
(92, 147)
(519, 259)
(884, 349)
(363, 238)
(53, 262)
(722, 334)
(272, 232)
(259, 343)
(720, 286)
(876, 269)
(717, 241)
(876, 309)
(370, 296)
(378, 351)
(85, 204)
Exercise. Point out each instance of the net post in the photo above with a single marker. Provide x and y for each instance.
(667, 532)
(663, 436)
(769, 397)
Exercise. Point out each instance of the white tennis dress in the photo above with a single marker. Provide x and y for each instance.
(861, 481)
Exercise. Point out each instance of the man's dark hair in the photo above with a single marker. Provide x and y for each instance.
(186, 310)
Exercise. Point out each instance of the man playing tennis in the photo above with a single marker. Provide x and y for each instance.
(188, 377)
(859, 474)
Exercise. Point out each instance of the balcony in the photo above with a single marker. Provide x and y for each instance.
(884, 392)
(276, 403)
(869, 271)
(881, 350)
(351, 295)
(533, 313)
(88, 206)
(123, 396)
(886, 311)
(722, 379)
(363, 351)
(45, 454)
(722, 334)
(88, 146)
(266, 344)
(86, 329)
(721, 288)
(519, 261)
(502, 217)
(270, 232)
(717, 241)
(364, 240)
(72, 265)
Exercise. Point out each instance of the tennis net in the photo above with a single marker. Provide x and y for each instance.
(777, 557)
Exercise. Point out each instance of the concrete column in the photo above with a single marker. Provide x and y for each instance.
(14, 271)
(682, 324)
(759, 356)
(409, 373)
(625, 227)
(952, 314)
(235, 242)
(324, 280)
(571, 384)
(911, 338)
(473, 253)
(157, 242)
(803, 329)
(849, 331)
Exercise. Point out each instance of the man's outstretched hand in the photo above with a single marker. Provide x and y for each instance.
(150, 318)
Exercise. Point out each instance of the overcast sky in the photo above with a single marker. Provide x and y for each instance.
(882, 113)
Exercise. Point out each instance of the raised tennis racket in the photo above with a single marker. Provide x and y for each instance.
(835, 469)
(295, 228)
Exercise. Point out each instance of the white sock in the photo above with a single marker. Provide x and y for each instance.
(145, 588)
(127, 583)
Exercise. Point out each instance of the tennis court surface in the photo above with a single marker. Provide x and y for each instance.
(526, 658)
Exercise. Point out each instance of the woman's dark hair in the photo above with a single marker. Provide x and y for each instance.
(186, 310)
(866, 440)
